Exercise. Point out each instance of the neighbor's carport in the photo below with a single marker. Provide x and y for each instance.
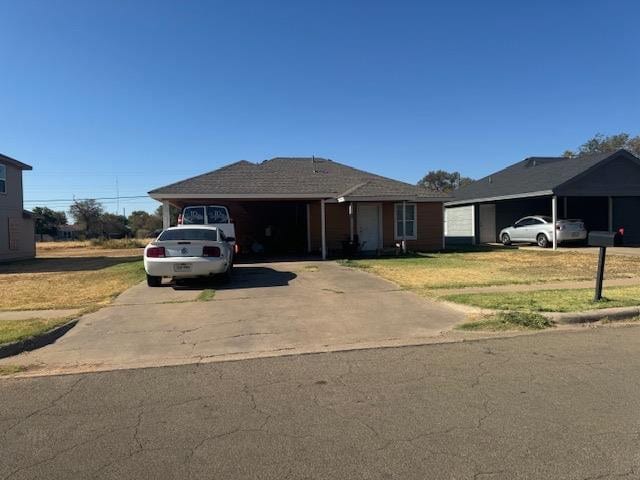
(603, 190)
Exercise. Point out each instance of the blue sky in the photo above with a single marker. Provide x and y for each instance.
(94, 93)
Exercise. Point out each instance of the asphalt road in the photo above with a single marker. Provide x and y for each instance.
(560, 405)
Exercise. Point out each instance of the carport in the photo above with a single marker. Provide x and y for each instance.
(603, 190)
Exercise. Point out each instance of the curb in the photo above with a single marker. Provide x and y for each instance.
(39, 341)
(621, 313)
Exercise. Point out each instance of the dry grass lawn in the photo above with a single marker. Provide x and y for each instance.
(499, 267)
(69, 275)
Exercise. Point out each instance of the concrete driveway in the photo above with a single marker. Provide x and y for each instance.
(269, 309)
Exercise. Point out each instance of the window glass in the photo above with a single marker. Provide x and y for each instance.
(524, 222)
(210, 234)
(535, 221)
(3, 179)
(547, 219)
(193, 216)
(409, 222)
(217, 215)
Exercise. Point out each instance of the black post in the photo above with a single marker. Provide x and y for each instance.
(599, 278)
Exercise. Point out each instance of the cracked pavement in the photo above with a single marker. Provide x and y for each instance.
(268, 309)
(560, 404)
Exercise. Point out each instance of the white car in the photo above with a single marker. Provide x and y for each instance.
(188, 252)
(539, 229)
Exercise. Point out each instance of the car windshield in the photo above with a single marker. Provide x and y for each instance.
(547, 219)
(187, 234)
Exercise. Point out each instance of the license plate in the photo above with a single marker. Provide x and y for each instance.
(182, 267)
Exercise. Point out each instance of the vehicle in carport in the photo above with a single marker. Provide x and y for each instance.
(211, 215)
(188, 252)
(538, 229)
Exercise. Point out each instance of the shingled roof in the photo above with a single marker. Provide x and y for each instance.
(532, 176)
(308, 177)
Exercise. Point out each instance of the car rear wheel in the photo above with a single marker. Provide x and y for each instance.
(153, 281)
(543, 241)
(506, 239)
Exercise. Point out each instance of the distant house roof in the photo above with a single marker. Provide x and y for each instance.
(14, 162)
(286, 177)
(533, 176)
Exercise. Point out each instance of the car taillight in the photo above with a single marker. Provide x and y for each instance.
(210, 251)
(155, 252)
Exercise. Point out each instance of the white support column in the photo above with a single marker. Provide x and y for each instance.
(323, 229)
(308, 228)
(166, 215)
(554, 221)
(610, 214)
(351, 227)
(404, 226)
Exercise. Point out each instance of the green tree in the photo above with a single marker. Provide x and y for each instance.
(443, 181)
(600, 143)
(47, 220)
(143, 223)
(87, 213)
(113, 225)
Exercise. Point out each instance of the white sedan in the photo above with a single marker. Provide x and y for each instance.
(539, 229)
(188, 252)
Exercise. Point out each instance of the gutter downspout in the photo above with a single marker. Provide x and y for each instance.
(554, 220)
(404, 226)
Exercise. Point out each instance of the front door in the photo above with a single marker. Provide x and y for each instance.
(369, 226)
(487, 223)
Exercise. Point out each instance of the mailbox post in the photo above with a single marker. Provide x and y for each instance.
(603, 240)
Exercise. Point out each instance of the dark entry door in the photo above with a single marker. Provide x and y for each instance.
(626, 214)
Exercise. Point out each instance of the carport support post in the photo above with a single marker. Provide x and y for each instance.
(166, 215)
(323, 228)
(554, 221)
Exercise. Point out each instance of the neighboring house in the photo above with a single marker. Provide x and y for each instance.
(601, 189)
(69, 232)
(17, 231)
(298, 205)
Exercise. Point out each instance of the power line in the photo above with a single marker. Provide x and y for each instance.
(82, 199)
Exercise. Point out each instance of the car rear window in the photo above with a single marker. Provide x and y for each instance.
(193, 216)
(189, 234)
(217, 215)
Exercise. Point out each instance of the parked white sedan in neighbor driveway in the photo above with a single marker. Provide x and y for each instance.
(188, 252)
(539, 229)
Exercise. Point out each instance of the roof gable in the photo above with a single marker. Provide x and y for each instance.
(15, 163)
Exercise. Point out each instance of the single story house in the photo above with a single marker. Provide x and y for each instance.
(601, 189)
(305, 205)
(17, 230)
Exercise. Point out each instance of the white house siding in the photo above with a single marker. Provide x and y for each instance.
(459, 225)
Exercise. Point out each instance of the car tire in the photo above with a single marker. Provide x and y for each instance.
(542, 240)
(506, 239)
(153, 281)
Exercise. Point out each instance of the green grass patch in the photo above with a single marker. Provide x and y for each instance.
(16, 330)
(550, 300)
(508, 321)
(206, 295)
(12, 369)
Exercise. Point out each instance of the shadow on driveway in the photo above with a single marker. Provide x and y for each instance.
(243, 277)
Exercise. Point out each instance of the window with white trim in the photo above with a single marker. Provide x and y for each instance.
(3, 178)
(406, 225)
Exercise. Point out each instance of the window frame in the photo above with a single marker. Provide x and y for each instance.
(396, 219)
(3, 177)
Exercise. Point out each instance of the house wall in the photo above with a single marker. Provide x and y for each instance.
(11, 213)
